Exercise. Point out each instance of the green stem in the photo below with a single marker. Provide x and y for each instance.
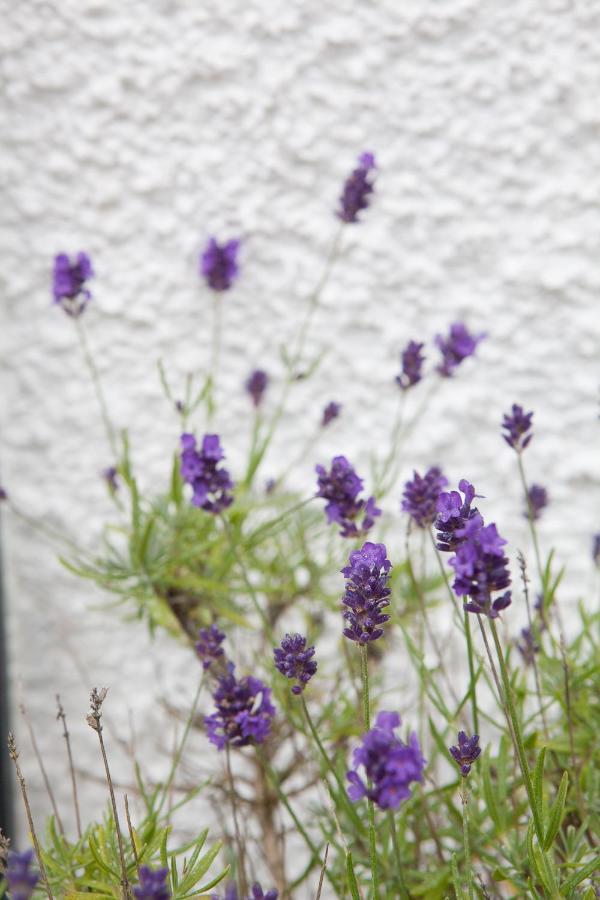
(215, 353)
(246, 578)
(518, 738)
(465, 817)
(397, 856)
(95, 376)
(364, 668)
(243, 881)
(178, 754)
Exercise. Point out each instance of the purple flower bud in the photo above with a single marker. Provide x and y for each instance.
(528, 646)
(331, 412)
(458, 346)
(357, 189)
(341, 487)
(211, 484)
(20, 878)
(218, 264)
(537, 500)
(256, 385)
(258, 894)
(367, 593)
(596, 549)
(208, 645)
(295, 660)
(69, 283)
(412, 365)
(244, 711)
(421, 496)
(518, 428)
(390, 765)
(466, 752)
(153, 885)
(110, 476)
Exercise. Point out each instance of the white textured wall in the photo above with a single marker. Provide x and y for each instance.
(134, 130)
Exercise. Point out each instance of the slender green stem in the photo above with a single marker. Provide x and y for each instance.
(178, 754)
(468, 637)
(364, 668)
(397, 856)
(464, 795)
(215, 352)
(243, 881)
(246, 578)
(516, 730)
(96, 381)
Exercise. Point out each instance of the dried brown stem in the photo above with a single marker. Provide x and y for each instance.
(243, 881)
(61, 715)
(131, 837)
(40, 763)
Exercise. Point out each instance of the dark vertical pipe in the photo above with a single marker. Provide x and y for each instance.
(6, 775)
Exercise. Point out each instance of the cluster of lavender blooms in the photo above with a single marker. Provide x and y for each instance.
(528, 645)
(208, 646)
(243, 711)
(20, 878)
(537, 500)
(153, 885)
(295, 660)
(257, 893)
(367, 593)
(412, 360)
(466, 752)
(517, 426)
(479, 563)
(256, 386)
(331, 412)
(390, 765)
(69, 283)
(357, 189)
(218, 264)
(341, 487)
(455, 348)
(420, 496)
(210, 482)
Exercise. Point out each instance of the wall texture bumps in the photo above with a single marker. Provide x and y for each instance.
(134, 130)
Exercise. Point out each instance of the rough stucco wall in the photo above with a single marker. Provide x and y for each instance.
(136, 130)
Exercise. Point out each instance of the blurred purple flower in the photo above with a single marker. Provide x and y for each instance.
(20, 877)
(69, 283)
(537, 500)
(110, 476)
(153, 885)
(421, 496)
(208, 646)
(528, 646)
(596, 549)
(517, 426)
(455, 348)
(295, 660)
(211, 484)
(341, 487)
(258, 893)
(3, 493)
(256, 385)
(367, 593)
(244, 711)
(357, 189)
(218, 264)
(390, 765)
(331, 412)
(412, 365)
(466, 752)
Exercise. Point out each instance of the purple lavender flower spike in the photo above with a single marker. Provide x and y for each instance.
(331, 412)
(366, 593)
(295, 660)
(466, 752)
(596, 549)
(211, 484)
(389, 764)
(528, 646)
(421, 496)
(153, 885)
(218, 264)
(357, 189)
(20, 878)
(341, 487)
(453, 513)
(244, 711)
(537, 500)
(481, 568)
(110, 476)
(258, 893)
(455, 348)
(412, 365)
(517, 426)
(256, 385)
(208, 645)
(69, 283)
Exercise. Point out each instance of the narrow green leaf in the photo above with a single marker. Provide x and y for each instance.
(352, 882)
(538, 783)
(557, 811)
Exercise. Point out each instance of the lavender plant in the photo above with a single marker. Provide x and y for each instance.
(305, 675)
